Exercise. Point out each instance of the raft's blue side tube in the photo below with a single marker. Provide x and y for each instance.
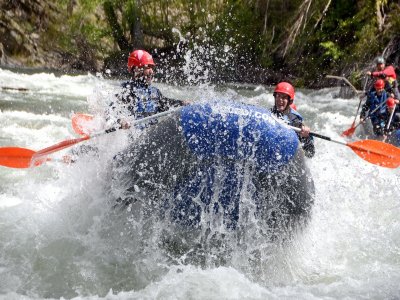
(238, 131)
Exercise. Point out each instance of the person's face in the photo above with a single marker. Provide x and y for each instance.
(146, 73)
(281, 101)
(380, 67)
(379, 91)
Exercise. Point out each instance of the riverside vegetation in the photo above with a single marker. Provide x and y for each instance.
(255, 41)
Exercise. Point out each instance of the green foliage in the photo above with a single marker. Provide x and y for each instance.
(304, 37)
(331, 50)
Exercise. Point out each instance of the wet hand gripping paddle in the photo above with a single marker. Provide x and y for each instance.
(16, 157)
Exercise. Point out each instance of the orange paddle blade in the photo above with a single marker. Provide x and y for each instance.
(14, 157)
(80, 123)
(20, 158)
(349, 132)
(376, 152)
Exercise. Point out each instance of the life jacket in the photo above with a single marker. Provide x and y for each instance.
(388, 73)
(374, 101)
(294, 118)
(140, 99)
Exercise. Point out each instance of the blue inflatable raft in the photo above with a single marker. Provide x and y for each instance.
(216, 164)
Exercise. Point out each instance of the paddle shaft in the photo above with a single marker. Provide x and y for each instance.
(140, 121)
(359, 103)
(68, 143)
(371, 113)
(358, 109)
(391, 117)
(317, 135)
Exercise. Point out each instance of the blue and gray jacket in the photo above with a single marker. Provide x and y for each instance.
(140, 100)
(293, 118)
(373, 101)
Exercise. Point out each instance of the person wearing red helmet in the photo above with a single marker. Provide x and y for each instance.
(376, 98)
(138, 97)
(392, 116)
(388, 74)
(284, 97)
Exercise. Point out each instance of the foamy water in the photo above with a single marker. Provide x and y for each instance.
(61, 238)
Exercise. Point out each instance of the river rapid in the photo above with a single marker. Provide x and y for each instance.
(60, 237)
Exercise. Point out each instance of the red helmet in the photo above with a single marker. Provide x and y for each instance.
(285, 88)
(390, 102)
(139, 58)
(379, 84)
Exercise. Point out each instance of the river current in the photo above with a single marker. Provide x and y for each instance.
(61, 238)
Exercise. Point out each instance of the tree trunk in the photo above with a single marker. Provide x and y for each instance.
(379, 16)
(116, 29)
(135, 26)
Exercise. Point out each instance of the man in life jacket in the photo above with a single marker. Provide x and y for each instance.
(138, 98)
(388, 74)
(375, 105)
(284, 97)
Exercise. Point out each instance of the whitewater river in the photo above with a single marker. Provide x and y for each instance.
(61, 238)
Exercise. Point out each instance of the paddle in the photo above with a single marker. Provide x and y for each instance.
(390, 118)
(349, 132)
(388, 124)
(79, 123)
(15, 157)
(14, 88)
(375, 152)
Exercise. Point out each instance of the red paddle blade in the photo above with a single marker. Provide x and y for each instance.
(20, 158)
(81, 123)
(14, 157)
(377, 153)
(349, 132)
